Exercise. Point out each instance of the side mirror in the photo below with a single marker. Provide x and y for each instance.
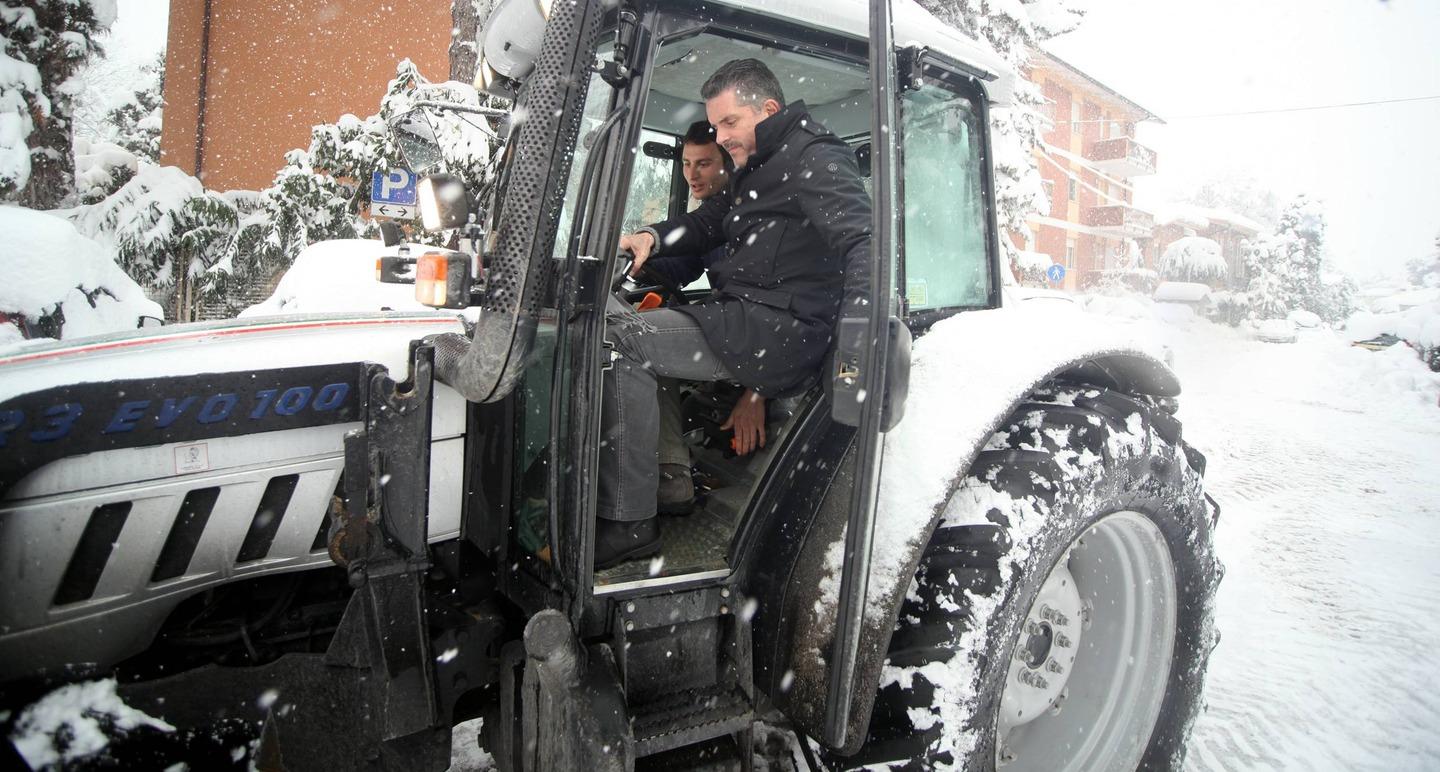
(415, 135)
(844, 382)
(149, 321)
(444, 203)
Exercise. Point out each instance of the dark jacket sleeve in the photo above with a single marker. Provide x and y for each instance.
(834, 200)
(694, 233)
(679, 269)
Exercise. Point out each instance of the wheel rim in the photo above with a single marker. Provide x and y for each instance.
(1090, 667)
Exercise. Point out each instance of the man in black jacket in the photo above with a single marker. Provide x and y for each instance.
(795, 225)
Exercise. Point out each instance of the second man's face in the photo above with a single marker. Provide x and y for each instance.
(704, 169)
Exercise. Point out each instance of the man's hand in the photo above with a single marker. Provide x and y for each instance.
(640, 245)
(747, 420)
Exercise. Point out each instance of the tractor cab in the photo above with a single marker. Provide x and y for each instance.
(643, 93)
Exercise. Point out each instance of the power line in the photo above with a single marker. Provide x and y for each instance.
(1306, 108)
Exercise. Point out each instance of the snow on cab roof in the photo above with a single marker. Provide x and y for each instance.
(914, 26)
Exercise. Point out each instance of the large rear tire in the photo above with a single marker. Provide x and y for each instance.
(1070, 628)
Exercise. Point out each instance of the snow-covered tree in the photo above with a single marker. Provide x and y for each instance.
(1425, 271)
(1013, 28)
(1286, 269)
(137, 122)
(1241, 195)
(1193, 259)
(198, 247)
(43, 43)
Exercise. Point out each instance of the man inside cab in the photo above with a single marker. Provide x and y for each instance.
(794, 224)
(707, 168)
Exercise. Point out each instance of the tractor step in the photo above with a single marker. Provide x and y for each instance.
(689, 717)
(721, 754)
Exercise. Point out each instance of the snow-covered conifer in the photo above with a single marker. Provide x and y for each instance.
(137, 122)
(43, 43)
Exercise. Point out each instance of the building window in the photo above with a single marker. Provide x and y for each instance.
(1070, 255)
(1074, 189)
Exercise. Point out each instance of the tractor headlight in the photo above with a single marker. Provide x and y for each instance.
(443, 202)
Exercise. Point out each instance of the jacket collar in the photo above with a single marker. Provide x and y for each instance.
(770, 133)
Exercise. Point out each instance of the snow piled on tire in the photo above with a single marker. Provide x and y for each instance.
(965, 373)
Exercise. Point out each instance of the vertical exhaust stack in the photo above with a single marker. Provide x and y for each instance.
(488, 365)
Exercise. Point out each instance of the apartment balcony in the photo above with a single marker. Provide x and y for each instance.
(1121, 157)
(1119, 221)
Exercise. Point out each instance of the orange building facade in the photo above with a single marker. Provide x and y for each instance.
(1088, 159)
(246, 79)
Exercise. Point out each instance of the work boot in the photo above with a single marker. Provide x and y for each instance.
(676, 495)
(617, 541)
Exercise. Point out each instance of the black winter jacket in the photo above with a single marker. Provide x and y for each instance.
(795, 225)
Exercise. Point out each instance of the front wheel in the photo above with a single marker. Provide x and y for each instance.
(1061, 618)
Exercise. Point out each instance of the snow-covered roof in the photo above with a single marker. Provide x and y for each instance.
(913, 26)
(1045, 58)
(1202, 217)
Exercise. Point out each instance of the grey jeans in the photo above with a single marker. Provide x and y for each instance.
(640, 404)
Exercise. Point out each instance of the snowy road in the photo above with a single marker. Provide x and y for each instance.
(1324, 460)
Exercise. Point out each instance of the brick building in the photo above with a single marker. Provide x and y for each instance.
(1087, 160)
(246, 79)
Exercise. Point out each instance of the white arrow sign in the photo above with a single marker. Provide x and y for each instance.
(396, 211)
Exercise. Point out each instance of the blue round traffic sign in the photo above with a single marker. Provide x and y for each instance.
(1056, 273)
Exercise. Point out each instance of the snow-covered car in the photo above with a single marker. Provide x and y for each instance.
(336, 276)
(1275, 331)
(1304, 320)
(60, 284)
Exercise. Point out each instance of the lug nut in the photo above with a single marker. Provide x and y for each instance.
(1054, 666)
(1062, 640)
(1031, 678)
(1032, 629)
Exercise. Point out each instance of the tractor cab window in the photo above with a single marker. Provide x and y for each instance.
(946, 263)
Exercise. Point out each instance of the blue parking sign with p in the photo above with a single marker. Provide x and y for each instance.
(396, 186)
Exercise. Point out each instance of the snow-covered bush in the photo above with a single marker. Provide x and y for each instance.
(42, 44)
(1231, 307)
(101, 168)
(59, 284)
(1013, 30)
(1193, 259)
(1130, 276)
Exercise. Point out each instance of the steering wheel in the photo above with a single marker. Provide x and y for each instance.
(635, 288)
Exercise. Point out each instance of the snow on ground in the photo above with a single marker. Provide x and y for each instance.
(1323, 459)
(45, 262)
(72, 722)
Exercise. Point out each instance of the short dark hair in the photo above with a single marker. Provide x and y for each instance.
(702, 133)
(752, 80)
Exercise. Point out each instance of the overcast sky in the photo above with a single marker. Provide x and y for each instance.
(1377, 168)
